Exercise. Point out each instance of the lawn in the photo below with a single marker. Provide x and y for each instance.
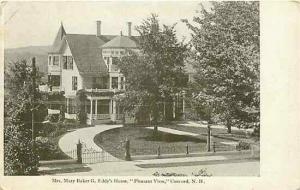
(219, 133)
(143, 142)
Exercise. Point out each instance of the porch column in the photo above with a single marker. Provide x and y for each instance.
(91, 111)
(68, 105)
(114, 109)
(110, 106)
(110, 81)
(96, 111)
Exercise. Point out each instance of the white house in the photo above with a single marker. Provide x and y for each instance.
(86, 62)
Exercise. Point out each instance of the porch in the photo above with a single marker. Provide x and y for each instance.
(102, 110)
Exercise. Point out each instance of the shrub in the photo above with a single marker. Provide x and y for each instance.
(61, 116)
(53, 117)
(19, 156)
(242, 145)
(47, 150)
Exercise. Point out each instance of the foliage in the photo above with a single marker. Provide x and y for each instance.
(22, 97)
(225, 44)
(53, 117)
(47, 150)
(242, 145)
(61, 116)
(80, 105)
(155, 73)
(19, 156)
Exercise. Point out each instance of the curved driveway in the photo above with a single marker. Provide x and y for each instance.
(68, 142)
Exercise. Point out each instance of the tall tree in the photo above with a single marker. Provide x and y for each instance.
(21, 99)
(155, 73)
(225, 39)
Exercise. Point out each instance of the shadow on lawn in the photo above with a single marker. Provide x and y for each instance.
(167, 137)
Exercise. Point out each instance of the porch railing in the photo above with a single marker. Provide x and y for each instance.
(98, 90)
(98, 116)
(54, 88)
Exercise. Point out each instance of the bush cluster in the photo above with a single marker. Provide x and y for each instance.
(242, 145)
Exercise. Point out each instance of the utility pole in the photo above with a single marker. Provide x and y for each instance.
(33, 76)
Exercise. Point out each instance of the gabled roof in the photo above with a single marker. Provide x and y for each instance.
(87, 53)
(120, 42)
(58, 40)
(86, 49)
(107, 38)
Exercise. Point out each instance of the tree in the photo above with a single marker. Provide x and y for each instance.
(20, 157)
(225, 41)
(155, 73)
(80, 105)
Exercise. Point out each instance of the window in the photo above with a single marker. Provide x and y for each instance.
(54, 80)
(65, 62)
(56, 60)
(49, 61)
(70, 62)
(74, 83)
(114, 82)
(71, 107)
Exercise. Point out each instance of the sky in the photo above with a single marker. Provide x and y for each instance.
(36, 23)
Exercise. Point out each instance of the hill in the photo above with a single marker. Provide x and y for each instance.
(15, 54)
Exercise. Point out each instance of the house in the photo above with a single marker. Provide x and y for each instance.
(87, 62)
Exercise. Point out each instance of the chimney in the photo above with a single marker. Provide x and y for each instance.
(98, 28)
(129, 29)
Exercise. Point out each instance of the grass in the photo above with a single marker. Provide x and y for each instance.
(219, 133)
(143, 142)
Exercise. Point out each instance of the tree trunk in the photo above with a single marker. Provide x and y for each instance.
(208, 137)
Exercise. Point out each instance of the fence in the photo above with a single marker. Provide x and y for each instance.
(183, 149)
(87, 155)
(90, 156)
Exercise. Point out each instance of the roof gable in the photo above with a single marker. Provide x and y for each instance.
(86, 53)
(58, 39)
(120, 42)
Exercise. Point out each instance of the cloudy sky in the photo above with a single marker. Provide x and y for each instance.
(36, 23)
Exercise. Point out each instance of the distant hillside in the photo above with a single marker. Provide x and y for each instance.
(15, 54)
